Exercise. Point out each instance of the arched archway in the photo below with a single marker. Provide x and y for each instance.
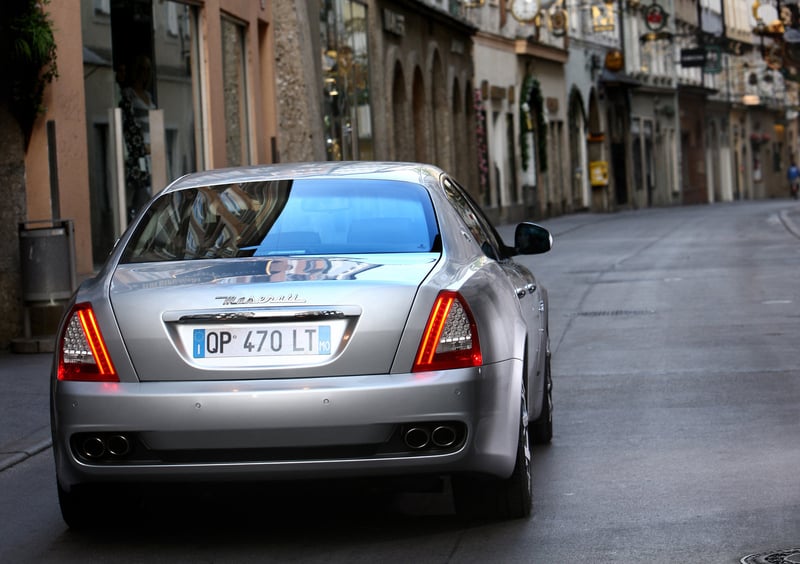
(441, 115)
(402, 147)
(459, 128)
(594, 119)
(418, 109)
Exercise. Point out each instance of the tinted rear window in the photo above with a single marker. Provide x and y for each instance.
(304, 217)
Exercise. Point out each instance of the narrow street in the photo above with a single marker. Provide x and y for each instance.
(676, 386)
(675, 339)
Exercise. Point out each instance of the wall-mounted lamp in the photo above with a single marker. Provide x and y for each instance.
(614, 60)
(751, 100)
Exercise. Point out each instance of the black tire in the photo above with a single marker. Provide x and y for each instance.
(80, 507)
(512, 498)
(542, 429)
(97, 505)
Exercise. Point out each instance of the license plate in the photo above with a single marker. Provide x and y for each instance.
(314, 340)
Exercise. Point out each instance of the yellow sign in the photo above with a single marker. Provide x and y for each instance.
(598, 173)
(603, 17)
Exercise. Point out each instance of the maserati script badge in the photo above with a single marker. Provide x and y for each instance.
(261, 300)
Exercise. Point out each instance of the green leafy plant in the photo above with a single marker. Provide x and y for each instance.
(27, 58)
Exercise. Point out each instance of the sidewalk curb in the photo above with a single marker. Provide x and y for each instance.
(7, 462)
(24, 405)
(788, 223)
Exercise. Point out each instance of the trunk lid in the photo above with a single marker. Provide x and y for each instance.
(261, 318)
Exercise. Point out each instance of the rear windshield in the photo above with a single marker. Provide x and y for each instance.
(302, 217)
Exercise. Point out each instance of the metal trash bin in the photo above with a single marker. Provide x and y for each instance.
(47, 257)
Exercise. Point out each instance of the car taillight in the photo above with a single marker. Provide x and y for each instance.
(450, 339)
(82, 352)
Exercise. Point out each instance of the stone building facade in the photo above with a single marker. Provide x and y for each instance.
(210, 89)
(527, 112)
(12, 192)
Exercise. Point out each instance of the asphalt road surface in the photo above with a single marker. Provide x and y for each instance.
(675, 338)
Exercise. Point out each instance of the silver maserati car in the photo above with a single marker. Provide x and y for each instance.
(301, 322)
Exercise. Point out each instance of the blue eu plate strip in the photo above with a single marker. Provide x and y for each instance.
(199, 343)
(324, 339)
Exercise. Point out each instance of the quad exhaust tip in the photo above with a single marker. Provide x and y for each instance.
(93, 447)
(433, 435)
(99, 447)
(444, 436)
(417, 438)
(118, 445)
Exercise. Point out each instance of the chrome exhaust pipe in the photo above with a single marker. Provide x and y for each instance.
(443, 436)
(119, 445)
(417, 438)
(93, 447)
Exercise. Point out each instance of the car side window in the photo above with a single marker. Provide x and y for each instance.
(479, 226)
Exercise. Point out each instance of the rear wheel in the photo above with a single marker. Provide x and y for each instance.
(511, 498)
(542, 428)
(88, 506)
(79, 506)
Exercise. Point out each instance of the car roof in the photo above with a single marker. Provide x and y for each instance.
(375, 170)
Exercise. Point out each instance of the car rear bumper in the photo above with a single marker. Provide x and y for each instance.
(288, 429)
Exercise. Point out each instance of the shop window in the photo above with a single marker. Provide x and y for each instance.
(173, 26)
(777, 157)
(649, 172)
(638, 169)
(143, 103)
(511, 137)
(234, 76)
(177, 88)
(347, 111)
(102, 7)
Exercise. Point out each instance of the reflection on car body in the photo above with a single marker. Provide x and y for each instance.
(301, 322)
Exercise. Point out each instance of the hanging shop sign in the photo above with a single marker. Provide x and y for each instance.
(598, 173)
(713, 59)
(615, 61)
(655, 17)
(693, 57)
(603, 17)
(557, 19)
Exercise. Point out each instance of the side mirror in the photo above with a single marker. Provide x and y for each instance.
(532, 239)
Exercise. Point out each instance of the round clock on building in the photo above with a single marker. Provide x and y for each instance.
(524, 11)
